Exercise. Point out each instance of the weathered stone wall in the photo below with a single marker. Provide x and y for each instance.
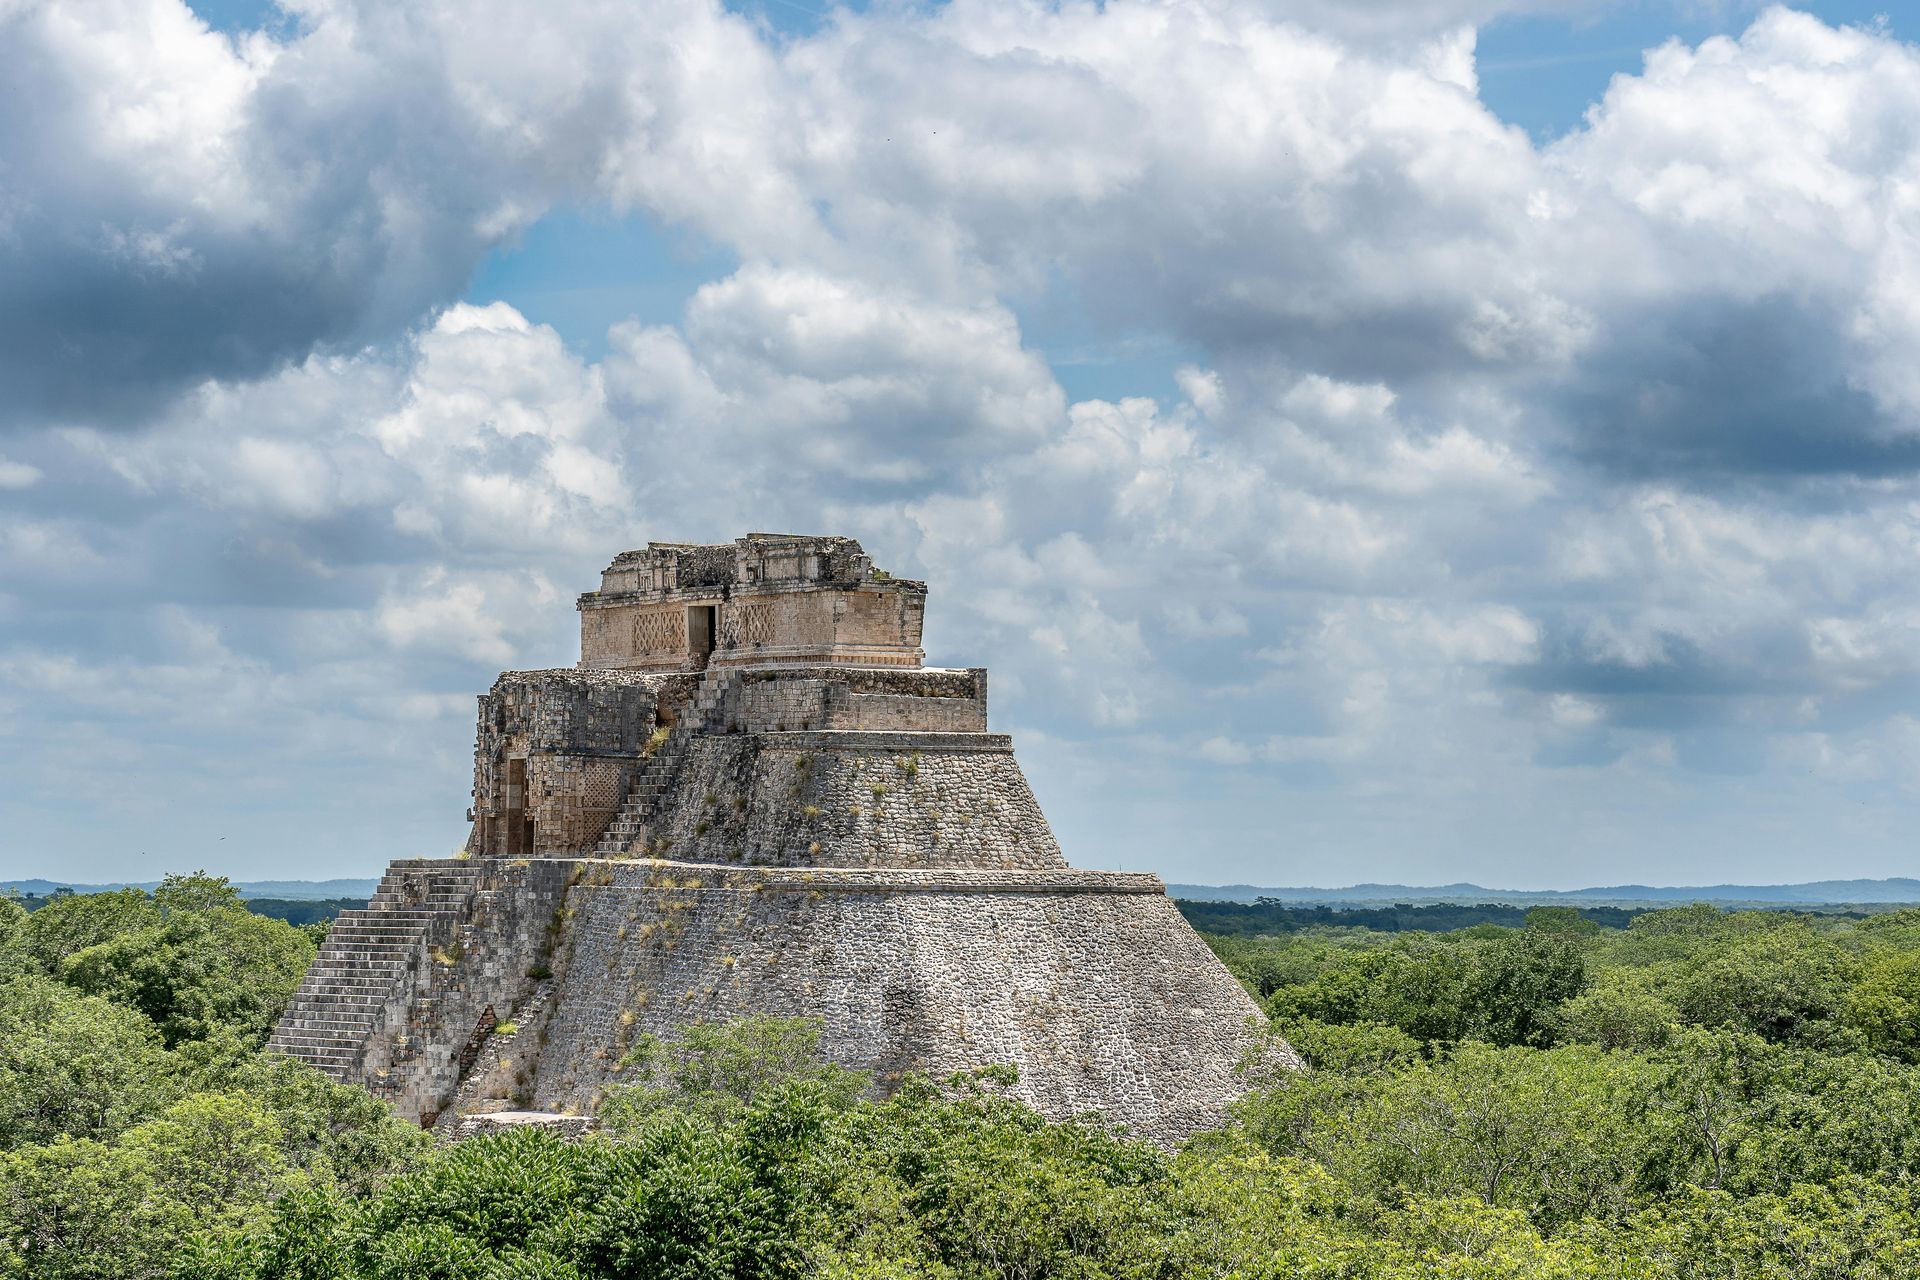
(462, 981)
(853, 799)
(775, 598)
(1089, 983)
(880, 626)
(791, 698)
(578, 738)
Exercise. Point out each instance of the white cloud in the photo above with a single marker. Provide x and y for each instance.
(1485, 466)
(18, 475)
(484, 618)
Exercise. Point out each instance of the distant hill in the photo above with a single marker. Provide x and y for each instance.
(1813, 893)
(294, 889)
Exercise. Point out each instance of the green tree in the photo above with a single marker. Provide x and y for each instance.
(197, 968)
(1883, 1006)
(1517, 982)
(88, 1210)
(1620, 1011)
(195, 893)
(1422, 992)
(75, 1209)
(979, 1184)
(77, 921)
(14, 958)
(1783, 985)
(1566, 921)
(73, 1065)
(1707, 1101)
(338, 1135)
(1853, 1230)
(723, 1068)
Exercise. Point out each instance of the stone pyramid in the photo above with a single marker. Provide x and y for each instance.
(752, 796)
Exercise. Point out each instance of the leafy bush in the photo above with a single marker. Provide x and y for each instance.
(1700, 1096)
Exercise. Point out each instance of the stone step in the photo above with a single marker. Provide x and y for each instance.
(356, 993)
(309, 1002)
(414, 893)
(345, 1017)
(335, 1009)
(337, 1064)
(314, 1046)
(358, 982)
(357, 978)
(387, 899)
(336, 1024)
(344, 1037)
(351, 1034)
(341, 991)
(355, 1030)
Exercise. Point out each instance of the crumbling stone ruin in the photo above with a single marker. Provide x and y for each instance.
(752, 796)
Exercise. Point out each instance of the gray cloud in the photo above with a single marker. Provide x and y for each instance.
(1508, 491)
(1722, 390)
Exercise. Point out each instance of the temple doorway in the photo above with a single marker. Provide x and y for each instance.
(700, 630)
(518, 819)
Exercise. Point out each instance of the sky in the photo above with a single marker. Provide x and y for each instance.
(1422, 441)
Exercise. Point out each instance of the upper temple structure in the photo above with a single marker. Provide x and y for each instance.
(751, 796)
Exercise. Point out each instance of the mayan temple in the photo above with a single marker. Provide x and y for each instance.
(753, 796)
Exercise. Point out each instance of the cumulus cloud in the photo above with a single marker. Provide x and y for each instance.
(182, 205)
(1497, 488)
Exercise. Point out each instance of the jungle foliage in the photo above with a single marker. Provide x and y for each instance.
(1269, 916)
(1709, 1095)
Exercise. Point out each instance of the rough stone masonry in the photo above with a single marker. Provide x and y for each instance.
(752, 796)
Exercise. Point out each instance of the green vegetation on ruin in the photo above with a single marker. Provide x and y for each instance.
(1685, 1092)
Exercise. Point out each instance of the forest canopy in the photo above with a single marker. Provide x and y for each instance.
(1700, 1094)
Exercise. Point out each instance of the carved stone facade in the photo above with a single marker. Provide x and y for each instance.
(751, 797)
(765, 598)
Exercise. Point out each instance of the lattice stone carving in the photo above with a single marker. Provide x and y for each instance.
(602, 788)
(755, 622)
(660, 631)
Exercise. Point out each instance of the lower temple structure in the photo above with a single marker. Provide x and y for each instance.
(752, 797)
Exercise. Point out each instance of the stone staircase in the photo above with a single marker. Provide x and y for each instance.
(707, 714)
(367, 961)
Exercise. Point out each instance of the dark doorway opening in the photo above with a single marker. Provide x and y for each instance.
(700, 628)
(519, 820)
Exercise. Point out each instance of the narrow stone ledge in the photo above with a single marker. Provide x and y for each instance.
(567, 1127)
(884, 740)
(662, 875)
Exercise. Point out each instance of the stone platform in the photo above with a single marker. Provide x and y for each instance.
(797, 822)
